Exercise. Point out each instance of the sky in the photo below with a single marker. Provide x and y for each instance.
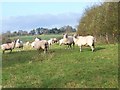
(30, 15)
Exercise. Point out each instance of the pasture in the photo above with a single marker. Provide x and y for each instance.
(60, 67)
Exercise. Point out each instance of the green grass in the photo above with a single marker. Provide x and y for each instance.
(61, 68)
(43, 36)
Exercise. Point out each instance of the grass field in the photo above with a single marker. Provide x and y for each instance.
(61, 68)
(43, 36)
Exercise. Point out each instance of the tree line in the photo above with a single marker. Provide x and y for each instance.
(101, 21)
(39, 31)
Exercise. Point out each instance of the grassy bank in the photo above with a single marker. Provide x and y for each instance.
(60, 67)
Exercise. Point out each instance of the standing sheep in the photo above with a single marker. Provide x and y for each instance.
(37, 39)
(27, 43)
(32, 44)
(55, 40)
(84, 41)
(42, 44)
(61, 42)
(67, 40)
(19, 44)
(8, 46)
(50, 42)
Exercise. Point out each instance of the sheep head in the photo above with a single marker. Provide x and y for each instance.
(65, 36)
(75, 35)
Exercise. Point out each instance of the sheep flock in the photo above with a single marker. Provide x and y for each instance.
(44, 45)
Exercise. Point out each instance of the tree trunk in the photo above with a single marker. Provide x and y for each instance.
(113, 38)
(107, 38)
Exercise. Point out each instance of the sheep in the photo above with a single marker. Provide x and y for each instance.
(19, 44)
(60, 42)
(37, 39)
(32, 44)
(42, 44)
(8, 46)
(84, 41)
(67, 40)
(27, 43)
(55, 40)
(50, 42)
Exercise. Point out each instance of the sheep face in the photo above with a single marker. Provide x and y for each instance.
(75, 36)
(65, 36)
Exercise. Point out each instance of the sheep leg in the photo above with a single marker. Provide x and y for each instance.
(73, 44)
(70, 45)
(92, 47)
(3, 51)
(10, 50)
(80, 48)
(45, 50)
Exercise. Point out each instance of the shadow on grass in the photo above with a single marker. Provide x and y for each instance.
(99, 48)
(87, 48)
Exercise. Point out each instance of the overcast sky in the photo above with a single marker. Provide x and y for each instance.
(29, 15)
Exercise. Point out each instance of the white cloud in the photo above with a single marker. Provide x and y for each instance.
(34, 21)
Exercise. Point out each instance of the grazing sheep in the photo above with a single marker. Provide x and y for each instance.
(50, 42)
(32, 44)
(67, 40)
(42, 44)
(27, 43)
(84, 41)
(60, 42)
(19, 44)
(8, 46)
(37, 39)
(55, 40)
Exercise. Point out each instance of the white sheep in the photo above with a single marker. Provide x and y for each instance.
(50, 42)
(55, 40)
(19, 44)
(37, 39)
(84, 41)
(61, 42)
(32, 44)
(67, 40)
(27, 43)
(42, 44)
(8, 46)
